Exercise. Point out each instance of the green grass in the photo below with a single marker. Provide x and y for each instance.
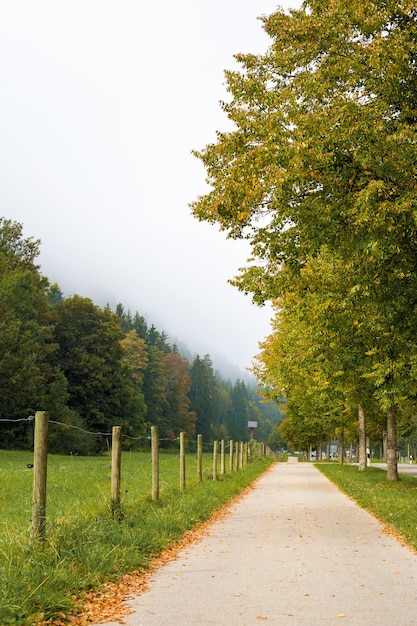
(85, 546)
(393, 503)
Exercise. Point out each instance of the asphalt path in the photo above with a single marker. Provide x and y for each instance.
(403, 468)
(294, 550)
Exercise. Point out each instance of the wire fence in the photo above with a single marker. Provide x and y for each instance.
(226, 457)
(92, 433)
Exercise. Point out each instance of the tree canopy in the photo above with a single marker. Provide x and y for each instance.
(321, 167)
(25, 333)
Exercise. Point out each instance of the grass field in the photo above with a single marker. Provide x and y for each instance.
(393, 503)
(84, 545)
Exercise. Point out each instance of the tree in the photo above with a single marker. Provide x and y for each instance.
(55, 294)
(68, 432)
(25, 332)
(293, 369)
(128, 322)
(321, 137)
(177, 416)
(135, 357)
(323, 154)
(158, 339)
(243, 411)
(25, 339)
(16, 251)
(222, 409)
(237, 419)
(135, 362)
(154, 388)
(90, 356)
(275, 439)
(202, 394)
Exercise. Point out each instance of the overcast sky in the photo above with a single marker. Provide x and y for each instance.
(101, 103)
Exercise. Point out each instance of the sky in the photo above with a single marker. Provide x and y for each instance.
(101, 104)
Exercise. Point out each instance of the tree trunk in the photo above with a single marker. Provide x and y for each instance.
(328, 448)
(341, 445)
(320, 450)
(392, 468)
(362, 440)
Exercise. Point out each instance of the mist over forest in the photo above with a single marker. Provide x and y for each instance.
(92, 367)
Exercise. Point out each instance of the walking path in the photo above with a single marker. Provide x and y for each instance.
(294, 550)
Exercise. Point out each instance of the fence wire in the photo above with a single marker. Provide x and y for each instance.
(31, 418)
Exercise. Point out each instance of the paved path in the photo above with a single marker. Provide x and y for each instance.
(403, 468)
(295, 551)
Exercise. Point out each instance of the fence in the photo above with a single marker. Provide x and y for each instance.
(239, 454)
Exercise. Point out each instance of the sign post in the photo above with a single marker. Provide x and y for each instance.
(251, 426)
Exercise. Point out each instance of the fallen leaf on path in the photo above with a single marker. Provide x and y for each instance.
(109, 604)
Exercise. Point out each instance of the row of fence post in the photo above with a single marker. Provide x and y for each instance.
(239, 453)
(238, 457)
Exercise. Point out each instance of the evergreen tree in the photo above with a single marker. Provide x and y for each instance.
(158, 339)
(222, 408)
(140, 325)
(154, 388)
(202, 395)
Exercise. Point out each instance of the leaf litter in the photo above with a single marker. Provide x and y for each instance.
(110, 603)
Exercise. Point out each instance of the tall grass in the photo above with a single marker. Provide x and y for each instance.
(84, 545)
(393, 503)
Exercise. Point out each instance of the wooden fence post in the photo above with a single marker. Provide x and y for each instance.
(116, 465)
(222, 457)
(182, 461)
(231, 463)
(155, 462)
(40, 462)
(200, 458)
(241, 455)
(237, 455)
(215, 451)
(251, 450)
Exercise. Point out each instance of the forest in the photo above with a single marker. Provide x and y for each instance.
(92, 368)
